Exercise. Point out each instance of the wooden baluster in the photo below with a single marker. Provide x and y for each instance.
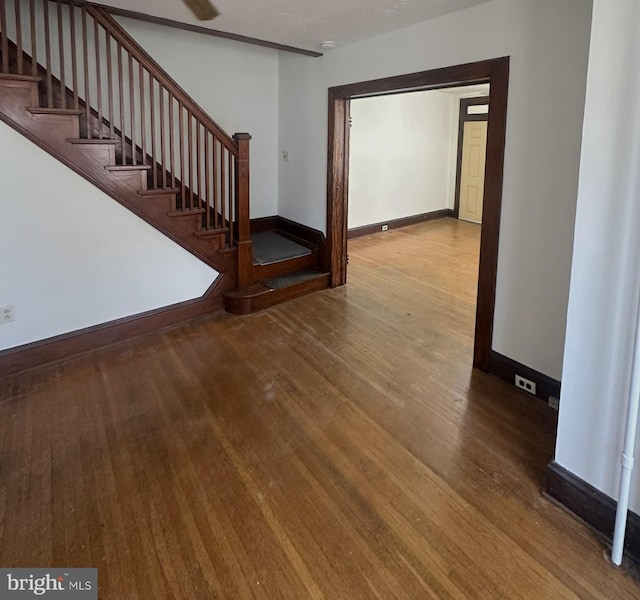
(123, 137)
(143, 118)
(223, 187)
(86, 72)
(172, 165)
(228, 200)
(132, 108)
(63, 87)
(207, 194)
(242, 216)
(215, 183)
(47, 45)
(181, 146)
(230, 182)
(198, 170)
(109, 84)
(152, 100)
(5, 39)
(190, 142)
(163, 149)
(34, 53)
(96, 41)
(19, 37)
(74, 57)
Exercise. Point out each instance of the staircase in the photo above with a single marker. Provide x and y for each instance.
(75, 83)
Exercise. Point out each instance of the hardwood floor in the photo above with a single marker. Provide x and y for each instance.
(339, 446)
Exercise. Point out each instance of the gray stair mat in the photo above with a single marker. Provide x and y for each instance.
(269, 248)
(275, 283)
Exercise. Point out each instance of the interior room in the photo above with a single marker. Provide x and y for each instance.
(262, 337)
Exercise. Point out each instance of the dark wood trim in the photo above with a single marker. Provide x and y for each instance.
(262, 224)
(62, 347)
(495, 72)
(506, 368)
(338, 185)
(591, 505)
(463, 118)
(131, 14)
(397, 223)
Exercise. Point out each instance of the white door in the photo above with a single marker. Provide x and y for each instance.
(474, 151)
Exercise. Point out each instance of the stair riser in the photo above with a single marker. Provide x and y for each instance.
(19, 93)
(62, 126)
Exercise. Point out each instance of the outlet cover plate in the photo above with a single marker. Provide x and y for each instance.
(526, 384)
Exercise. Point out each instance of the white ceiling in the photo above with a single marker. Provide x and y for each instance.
(468, 91)
(304, 23)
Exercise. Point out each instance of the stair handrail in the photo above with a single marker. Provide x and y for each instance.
(103, 17)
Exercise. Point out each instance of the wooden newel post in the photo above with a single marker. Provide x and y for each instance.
(243, 239)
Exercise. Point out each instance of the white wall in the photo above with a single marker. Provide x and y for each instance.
(605, 276)
(548, 44)
(72, 257)
(400, 156)
(236, 84)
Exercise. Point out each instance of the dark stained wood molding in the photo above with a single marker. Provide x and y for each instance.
(463, 118)
(65, 346)
(356, 232)
(591, 505)
(338, 185)
(495, 72)
(262, 224)
(138, 16)
(506, 368)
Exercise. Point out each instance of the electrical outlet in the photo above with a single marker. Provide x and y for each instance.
(526, 385)
(385, 228)
(7, 314)
(554, 403)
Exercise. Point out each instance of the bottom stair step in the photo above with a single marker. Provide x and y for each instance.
(275, 290)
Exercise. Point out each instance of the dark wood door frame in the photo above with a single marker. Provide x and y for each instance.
(495, 72)
(465, 117)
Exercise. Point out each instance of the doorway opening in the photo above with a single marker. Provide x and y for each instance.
(494, 72)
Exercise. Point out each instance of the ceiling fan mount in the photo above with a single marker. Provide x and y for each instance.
(202, 9)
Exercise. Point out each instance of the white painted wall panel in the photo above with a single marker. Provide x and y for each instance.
(605, 276)
(400, 156)
(72, 257)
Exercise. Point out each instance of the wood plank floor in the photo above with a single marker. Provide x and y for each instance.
(339, 446)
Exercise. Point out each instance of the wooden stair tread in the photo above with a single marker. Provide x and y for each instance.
(186, 213)
(206, 232)
(92, 141)
(158, 192)
(17, 77)
(55, 111)
(117, 168)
